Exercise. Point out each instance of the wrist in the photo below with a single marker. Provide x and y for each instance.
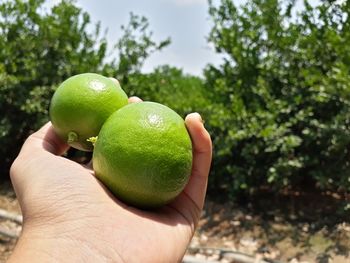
(48, 245)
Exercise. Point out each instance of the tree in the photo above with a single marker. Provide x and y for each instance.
(39, 49)
(135, 46)
(281, 112)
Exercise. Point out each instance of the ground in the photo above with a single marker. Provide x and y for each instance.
(9, 203)
(288, 227)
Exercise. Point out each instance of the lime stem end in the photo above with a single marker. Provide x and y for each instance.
(72, 137)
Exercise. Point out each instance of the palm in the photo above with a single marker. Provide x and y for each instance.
(68, 193)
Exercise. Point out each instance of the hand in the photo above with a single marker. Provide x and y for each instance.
(69, 216)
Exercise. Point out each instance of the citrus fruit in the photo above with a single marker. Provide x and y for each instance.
(143, 154)
(80, 106)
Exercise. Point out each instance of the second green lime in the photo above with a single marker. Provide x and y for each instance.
(143, 154)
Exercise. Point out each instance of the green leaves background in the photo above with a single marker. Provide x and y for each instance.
(277, 107)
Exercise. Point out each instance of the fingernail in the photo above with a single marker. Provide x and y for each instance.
(199, 117)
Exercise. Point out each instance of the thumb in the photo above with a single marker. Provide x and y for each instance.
(190, 202)
(202, 155)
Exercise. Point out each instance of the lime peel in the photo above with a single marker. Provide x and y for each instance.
(149, 166)
(81, 104)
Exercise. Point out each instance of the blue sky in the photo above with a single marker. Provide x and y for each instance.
(186, 22)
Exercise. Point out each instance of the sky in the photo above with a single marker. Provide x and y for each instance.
(186, 22)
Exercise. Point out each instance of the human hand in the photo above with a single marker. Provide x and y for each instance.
(69, 216)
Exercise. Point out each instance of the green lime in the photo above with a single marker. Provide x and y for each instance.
(143, 154)
(80, 106)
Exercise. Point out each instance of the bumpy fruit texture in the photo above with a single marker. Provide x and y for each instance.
(81, 105)
(143, 154)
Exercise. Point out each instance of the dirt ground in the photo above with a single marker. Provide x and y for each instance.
(290, 227)
(9, 203)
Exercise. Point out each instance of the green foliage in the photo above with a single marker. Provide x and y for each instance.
(280, 113)
(37, 52)
(277, 108)
(39, 49)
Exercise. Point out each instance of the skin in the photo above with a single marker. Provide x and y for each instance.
(69, 216)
